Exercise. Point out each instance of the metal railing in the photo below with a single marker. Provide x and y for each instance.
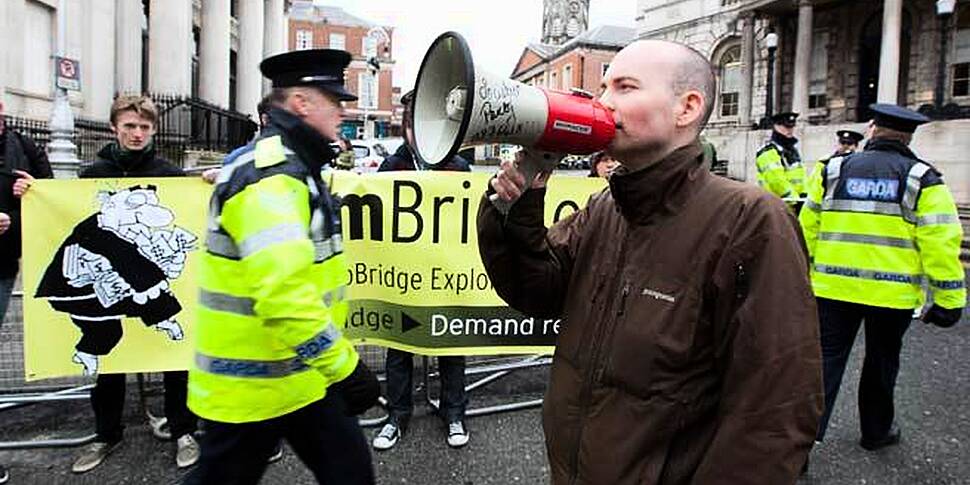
(184, 124)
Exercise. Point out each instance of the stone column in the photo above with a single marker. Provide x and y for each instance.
(170, 47)
(214, 52)
(129, 18)
(4, 53)
(249, 81)
(803, 58)
(892, 26)
(274, 41)
(747, 70)
(98, 60)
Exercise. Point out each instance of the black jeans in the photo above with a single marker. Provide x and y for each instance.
(327, 441)
(108, 401)
(885, 327)
(400, 384)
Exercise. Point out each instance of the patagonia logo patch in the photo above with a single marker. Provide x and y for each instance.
(658, 295)
(572, 127)
(872, 189)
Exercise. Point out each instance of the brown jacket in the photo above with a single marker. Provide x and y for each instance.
(689, 350)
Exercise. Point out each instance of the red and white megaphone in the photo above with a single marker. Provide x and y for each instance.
(456, 104)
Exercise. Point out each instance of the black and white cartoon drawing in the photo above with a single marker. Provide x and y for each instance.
(118, 263)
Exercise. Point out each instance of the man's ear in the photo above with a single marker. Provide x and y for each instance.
(692, 106)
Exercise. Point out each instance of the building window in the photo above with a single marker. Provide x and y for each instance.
(567, 77)
(961, 79)
(729, 67)
(819, 71)
(553, 80)
(367, 90)
(606, 67)
(338, 41)
(304, 39)
(368, 45)
(38, 61)
(961, 54)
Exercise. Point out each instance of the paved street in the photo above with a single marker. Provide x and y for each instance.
(932, 406)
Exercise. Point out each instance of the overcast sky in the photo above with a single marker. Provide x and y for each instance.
(497, 30)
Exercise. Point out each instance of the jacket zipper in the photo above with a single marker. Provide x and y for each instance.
(590, 374)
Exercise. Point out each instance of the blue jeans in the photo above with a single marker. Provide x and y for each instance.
(400, 384)
(6, 288)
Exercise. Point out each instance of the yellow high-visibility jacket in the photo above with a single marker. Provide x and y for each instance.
(780, 173)
(271, 301)
(880, 224)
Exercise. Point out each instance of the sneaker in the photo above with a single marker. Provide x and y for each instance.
(387, 437)
(93, 455)
(457, 434)
(277, 453)
(188, 451)
(4, 474)
(160, 429)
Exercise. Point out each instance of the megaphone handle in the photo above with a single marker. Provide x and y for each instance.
(529, 170)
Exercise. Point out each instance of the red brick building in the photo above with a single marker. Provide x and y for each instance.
(579, 63)
(369, 75)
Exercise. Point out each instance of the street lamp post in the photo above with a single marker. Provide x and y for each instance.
(944, 10)
(771, 42)
(378, 35)
(62, 152)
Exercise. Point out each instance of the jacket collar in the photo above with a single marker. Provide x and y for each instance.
(127, 160)
(312, 148)
(661, 188)
(783, 141)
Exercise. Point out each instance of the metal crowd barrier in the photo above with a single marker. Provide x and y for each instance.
(15, 392)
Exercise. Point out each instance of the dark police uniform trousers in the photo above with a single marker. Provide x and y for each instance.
(885, 327)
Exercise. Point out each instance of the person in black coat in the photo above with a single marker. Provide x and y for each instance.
(400, 364)
(20, 163)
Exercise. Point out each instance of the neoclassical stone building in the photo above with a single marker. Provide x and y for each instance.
(205, 48)
(833, 58)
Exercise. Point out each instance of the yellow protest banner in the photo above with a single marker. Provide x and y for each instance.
(109, 274)
(109, 269)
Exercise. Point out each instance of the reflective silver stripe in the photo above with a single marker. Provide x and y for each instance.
(931, 219)
(318, 344)
(773, 166)
(947, 284)
(833, 170)
(250, 368)
(270, 236)
(334, 295)
(865, 206)
(811, 205)
(227, 303)
(913, 185)
(869, 275)
(867, 239)
(326, 249)
(221, 245)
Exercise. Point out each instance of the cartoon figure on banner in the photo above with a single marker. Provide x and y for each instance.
(118, 263)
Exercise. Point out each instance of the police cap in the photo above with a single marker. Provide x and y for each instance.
(896, 117)
(321, 68)
(787, 119)
(849, 137)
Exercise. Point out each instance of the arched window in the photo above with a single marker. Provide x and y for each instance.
(729, 74)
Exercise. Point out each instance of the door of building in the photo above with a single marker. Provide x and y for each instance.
(870, 45)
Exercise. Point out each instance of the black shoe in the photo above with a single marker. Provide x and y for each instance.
(891, 438)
